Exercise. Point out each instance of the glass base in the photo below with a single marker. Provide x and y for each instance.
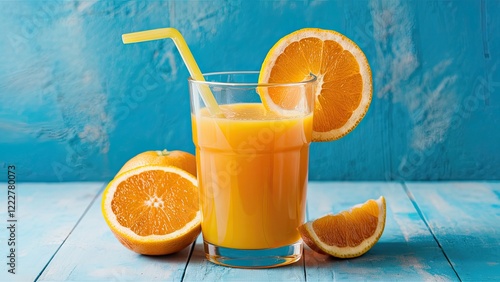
(261, 258)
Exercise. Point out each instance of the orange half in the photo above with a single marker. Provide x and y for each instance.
(153, 210)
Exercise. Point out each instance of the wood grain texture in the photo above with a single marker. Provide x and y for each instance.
(405, 252)
(465, 219)
(82, 102)
(46, 214)
(444, 231)
(92, 253)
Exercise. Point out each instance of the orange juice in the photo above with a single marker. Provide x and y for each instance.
(252, 173)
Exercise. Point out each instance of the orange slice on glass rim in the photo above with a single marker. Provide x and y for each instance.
(344, 80)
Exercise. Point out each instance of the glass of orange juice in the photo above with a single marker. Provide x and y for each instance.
(252, 161)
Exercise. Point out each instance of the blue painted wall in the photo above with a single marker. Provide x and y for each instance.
(75, 103)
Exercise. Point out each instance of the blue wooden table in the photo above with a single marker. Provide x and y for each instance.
(437, 231)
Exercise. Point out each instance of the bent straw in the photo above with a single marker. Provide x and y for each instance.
(187, 57)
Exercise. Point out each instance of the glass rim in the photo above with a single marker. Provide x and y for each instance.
(248, 84)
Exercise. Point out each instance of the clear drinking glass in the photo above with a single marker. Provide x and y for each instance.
(252, 163)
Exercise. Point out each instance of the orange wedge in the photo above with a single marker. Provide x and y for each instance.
(347, 234)
(344, 80)
(153, 210)
(180, 159)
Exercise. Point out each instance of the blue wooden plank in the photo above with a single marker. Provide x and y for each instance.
(200, 269)
(405, 252)
(465, 219)
(46, 214)
(92, 253)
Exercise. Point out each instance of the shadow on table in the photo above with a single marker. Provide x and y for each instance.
(395, 253)
(180, 257)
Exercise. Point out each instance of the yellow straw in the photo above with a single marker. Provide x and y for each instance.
(186, 55)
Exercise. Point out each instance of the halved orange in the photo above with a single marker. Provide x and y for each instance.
(180, 159)
(153, 210)
(347, 234)
(344, 80)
